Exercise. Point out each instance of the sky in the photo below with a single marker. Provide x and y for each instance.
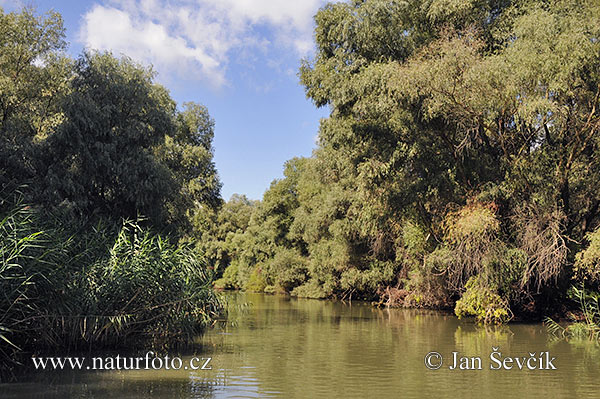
(239, 58)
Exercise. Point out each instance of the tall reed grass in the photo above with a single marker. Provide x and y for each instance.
(587, 321)
(66, 284)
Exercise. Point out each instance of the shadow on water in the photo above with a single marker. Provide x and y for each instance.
(273, 346)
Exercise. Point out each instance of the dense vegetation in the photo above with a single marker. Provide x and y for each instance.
(458, 167)
(101, 176)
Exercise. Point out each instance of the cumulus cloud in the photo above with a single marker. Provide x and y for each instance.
(196, 38)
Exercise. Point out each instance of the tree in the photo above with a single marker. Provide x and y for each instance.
(100, 160)
(188, 153)
(491, 101)
(448, 119)
(33, 78)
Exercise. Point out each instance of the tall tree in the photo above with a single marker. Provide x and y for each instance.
(188, 153)
(100, 159)
(33, 77)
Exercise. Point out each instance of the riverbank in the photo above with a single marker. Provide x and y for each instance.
(278, 346)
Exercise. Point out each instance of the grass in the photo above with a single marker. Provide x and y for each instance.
(588, 321)
(70, 285)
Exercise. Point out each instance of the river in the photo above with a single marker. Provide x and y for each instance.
(275, 346)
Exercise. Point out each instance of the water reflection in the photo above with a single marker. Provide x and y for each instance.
(284, 347)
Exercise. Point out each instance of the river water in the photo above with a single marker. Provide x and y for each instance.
(274, 346)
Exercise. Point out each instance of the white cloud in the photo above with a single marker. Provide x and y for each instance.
(196, 38)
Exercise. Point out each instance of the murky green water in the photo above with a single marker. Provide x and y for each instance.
(295, 348)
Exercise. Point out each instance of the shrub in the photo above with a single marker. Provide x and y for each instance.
(482, 303)
(288, 268)
(312, 289)
(257, 281)
(587, 261)
(426, 283)
(540, 237)
(414, 239)
(471, 235)
(229, 281)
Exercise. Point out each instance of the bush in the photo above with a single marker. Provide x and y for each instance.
(587, 261)
(540, 236)
(364, 284)
(505, 271)
(471, 234)
(426, 283)
(229, 281)
(482, 303)
(311, 289)
(257, 281)
(288, 268)
(414, 239)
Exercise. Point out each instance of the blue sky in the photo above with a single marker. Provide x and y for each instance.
(237, 57)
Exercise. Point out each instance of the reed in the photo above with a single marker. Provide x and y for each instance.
(68, 284)
(587, 320)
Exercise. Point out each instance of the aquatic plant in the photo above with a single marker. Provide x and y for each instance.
(587, 321)
(146, 288)
(102, 287)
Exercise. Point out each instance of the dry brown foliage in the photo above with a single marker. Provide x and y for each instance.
(471, 233)
(540, 236)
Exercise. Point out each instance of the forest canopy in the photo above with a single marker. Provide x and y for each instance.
(458, 166)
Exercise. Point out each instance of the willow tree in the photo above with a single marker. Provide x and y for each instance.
(100, 158)
(33, 78)
(439, 105)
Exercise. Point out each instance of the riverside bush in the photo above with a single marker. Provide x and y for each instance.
(482, 303)
(587, 261)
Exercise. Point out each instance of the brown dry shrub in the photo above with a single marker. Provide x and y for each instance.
(472, 236)
(540, 237)
(391, 297)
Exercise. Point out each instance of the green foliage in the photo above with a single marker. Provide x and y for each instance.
(587, 261)
(217, 233)
(101, 287)
(471, 234)
(18, 242)
(229, 281)
(458, 160)
(414, 239)
(288, 269)
(505, 271)
(312, 289)
(187, 152)
(113, 111)
(425, 283)
(33, 80)
(144, 288)
(257, 281)
(459, 144)
(88, 143)
(588, 320)
(96, 136)
(482, 303)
